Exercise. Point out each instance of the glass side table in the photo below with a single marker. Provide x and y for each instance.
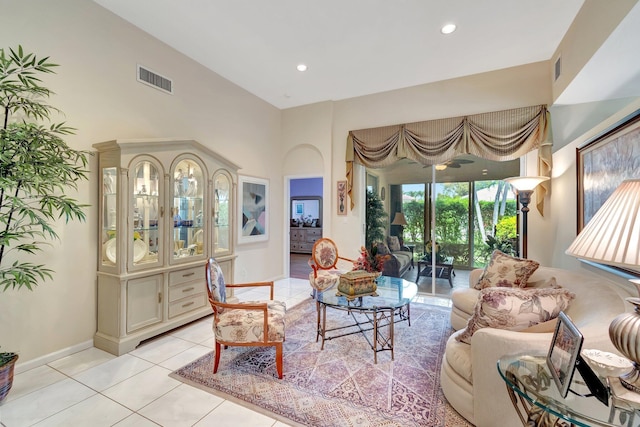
(537, 401)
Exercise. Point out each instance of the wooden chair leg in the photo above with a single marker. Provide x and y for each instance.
(279, 359)
(217, 357)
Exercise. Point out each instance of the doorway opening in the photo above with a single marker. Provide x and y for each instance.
(305, 210)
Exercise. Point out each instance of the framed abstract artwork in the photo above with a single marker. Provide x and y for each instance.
(341, 197)
(253, 212)
(604, 162)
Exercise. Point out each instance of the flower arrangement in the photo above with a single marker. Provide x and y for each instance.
(369, 263)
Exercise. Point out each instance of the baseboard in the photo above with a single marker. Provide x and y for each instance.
(40, 361)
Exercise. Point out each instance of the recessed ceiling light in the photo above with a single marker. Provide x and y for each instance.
(301, 67)
(448, 28)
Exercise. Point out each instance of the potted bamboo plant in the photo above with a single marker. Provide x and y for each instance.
(36, 168)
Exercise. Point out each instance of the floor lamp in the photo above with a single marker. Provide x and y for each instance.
(612, 237)
(524, 186)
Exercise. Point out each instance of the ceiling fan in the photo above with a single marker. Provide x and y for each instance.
(453, 163)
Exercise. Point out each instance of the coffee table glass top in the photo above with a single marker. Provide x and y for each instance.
(529, 376)
(393, 292)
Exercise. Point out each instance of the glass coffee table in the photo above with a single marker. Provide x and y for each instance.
(369, 313)
(537, 401)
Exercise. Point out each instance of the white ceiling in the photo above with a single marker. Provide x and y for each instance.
(352, 47)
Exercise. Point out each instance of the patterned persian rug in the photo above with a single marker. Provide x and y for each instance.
(340, 385)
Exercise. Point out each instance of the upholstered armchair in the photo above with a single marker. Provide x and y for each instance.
(323, 262)
(251, 323)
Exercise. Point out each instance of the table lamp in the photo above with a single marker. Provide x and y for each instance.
(612, 237)
(524, 186)
(400, 220)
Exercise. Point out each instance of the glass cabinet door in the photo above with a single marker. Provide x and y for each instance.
(222, 213)
(187, 210)
(146, 211)
(109, 215)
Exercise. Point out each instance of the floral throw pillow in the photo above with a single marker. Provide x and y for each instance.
(506, 271)
(394, 243)
(515, 309)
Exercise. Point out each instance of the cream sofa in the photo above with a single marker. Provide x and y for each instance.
(469, 376)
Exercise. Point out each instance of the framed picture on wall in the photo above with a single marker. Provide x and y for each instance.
(341, 197)
(253, 212)
(604, 162)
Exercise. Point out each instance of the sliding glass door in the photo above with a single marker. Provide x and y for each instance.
(469, 210)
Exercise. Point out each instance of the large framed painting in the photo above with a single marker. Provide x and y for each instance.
(253, 218)
(604, 162)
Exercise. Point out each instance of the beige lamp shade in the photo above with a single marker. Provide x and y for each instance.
(399, 219)
(526, 183)
(612, 236)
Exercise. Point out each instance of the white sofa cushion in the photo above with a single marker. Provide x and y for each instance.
(459, 356)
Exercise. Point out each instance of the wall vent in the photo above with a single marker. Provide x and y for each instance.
(155, 80)
(557, 68)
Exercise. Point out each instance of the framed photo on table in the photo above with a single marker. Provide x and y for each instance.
(253, 212)
(564, 352)
(604, 162)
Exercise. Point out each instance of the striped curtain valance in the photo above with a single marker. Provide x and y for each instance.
(499, 136)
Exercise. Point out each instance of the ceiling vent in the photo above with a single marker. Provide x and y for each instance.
(155, 80)
(557, 68)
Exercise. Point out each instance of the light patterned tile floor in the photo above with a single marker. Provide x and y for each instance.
(95, 388)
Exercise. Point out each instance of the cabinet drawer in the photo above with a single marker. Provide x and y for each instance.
(187, 304)
(187, 275)
(296, 234)
(306, 247)
(314, 233)
(185, 290)
(312, 239)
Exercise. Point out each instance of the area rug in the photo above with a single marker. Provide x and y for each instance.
(340, 385)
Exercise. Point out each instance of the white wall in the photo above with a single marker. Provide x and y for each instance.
(96, 88)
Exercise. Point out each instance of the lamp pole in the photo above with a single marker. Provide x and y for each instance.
(525, 198)
(524, 186)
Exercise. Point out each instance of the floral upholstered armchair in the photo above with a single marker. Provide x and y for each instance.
(252, 323)
(323, 261)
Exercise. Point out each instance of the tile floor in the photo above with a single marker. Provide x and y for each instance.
(95, 388)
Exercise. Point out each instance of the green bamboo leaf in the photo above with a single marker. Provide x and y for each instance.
(37, 169)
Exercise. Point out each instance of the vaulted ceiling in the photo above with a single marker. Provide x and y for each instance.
(354, 47)
(360, 47)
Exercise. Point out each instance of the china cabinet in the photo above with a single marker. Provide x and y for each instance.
(165, 206)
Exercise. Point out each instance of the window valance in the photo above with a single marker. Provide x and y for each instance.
(499, 136)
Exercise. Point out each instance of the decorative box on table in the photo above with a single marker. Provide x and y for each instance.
(357, 283)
